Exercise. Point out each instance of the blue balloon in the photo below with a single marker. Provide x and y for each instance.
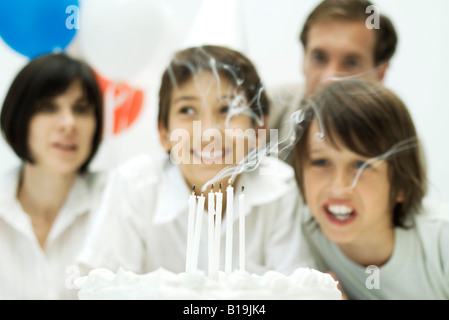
(36, 27)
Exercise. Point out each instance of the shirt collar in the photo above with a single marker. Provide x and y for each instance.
(79, 202)
(269, 182)
(10, 208)
(173, 194)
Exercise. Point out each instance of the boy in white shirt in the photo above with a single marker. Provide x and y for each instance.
(210, 97)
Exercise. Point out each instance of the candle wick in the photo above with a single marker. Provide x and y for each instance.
(193, 189)
(243, 188)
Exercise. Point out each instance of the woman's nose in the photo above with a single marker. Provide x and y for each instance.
(67, 121)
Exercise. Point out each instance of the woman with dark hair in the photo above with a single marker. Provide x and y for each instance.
(52, 119)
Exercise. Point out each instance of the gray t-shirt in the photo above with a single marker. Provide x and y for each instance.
(417, 269)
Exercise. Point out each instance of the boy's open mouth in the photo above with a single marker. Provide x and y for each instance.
(339, 213)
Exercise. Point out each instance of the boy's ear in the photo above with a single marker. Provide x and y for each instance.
(400, 197)
(164, 137)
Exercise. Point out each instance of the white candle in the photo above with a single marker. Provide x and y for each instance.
(217, 239)
(229, 231)
(197, 233)
(190, 230)
(242, 230)
(210, 229)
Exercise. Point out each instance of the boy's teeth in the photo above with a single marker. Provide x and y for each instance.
(340, 209)
(341, 212)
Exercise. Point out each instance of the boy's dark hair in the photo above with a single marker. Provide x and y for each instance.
(228, 63)
(44, 78)
(369, 120)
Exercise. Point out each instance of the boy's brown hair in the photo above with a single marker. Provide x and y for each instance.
(223, 61)
(354, 10)
(369, 120)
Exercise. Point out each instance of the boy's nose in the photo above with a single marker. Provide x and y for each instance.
(210, 121)
(341, 183)
(207, 123)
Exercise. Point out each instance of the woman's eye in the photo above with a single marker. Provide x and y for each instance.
(83, 109)
(46, 107)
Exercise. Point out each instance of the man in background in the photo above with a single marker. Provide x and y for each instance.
(341, 39)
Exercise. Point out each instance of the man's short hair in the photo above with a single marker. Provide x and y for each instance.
(354, 10)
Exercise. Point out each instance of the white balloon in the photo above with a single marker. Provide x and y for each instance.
(119, 37)
(219, 22)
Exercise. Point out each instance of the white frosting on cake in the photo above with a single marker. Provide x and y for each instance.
(161, 284)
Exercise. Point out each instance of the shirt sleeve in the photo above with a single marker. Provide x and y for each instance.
(287, 250)
(114, 236)
(444, 249)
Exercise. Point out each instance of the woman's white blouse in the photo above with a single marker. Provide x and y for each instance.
(143, 222)
(26, 270)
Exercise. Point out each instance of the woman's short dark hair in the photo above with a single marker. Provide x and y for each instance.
(369, 120)
(44, 78)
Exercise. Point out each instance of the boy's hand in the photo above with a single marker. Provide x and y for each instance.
(343, 295)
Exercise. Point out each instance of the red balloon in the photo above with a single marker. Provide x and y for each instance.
(127, 101)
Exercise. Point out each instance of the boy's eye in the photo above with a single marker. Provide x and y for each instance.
(319, 163)
(187, 110)
(362, 165)
(224, 109)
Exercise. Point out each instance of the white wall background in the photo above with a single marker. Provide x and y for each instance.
(269, 36)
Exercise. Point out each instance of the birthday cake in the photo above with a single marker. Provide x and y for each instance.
(303, 284)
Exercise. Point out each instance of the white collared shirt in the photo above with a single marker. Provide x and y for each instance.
(26, 270)
(143, 221)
